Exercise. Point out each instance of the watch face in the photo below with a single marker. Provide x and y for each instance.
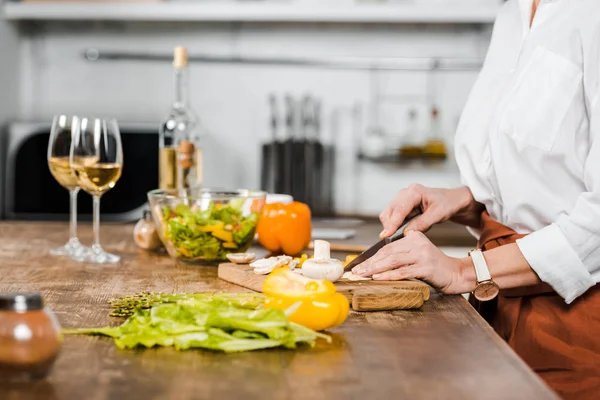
(486, 291)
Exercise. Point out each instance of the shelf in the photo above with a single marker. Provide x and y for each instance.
(394, 160)
(240, 12)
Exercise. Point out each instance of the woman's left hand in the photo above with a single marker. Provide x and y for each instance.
(414, 256)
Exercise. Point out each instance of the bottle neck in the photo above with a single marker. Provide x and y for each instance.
(181, 88)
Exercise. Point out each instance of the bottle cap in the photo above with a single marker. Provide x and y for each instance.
(147, 215)
(180, 59)
(21, 302)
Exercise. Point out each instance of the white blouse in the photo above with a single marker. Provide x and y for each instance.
(528, 144)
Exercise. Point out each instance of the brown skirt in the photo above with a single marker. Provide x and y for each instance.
(560, 342)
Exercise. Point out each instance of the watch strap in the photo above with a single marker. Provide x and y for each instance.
(481, 268)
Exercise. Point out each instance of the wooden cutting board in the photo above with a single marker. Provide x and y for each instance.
(363, 295)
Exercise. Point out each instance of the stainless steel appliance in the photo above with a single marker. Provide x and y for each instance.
(28, 190)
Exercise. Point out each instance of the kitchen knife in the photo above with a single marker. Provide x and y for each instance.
(371, 251)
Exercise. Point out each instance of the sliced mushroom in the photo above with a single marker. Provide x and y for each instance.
(241, 258)
(265, 266)
(351, 277)
(293, 264)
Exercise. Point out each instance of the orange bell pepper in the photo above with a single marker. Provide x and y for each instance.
(320, 306)
(285, 228)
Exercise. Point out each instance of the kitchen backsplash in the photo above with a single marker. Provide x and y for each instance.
(232, 100)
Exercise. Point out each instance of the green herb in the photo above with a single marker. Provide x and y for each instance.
(126, 305)
(211, 233)
(208, 322)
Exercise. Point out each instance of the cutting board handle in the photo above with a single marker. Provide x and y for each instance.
(381, 299)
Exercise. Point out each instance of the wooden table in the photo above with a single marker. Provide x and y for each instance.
(444, 351)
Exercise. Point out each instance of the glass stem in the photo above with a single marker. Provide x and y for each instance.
(96, 244)
(73, 218)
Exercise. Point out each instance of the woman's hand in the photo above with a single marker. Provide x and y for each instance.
(415, 256)
(438, 205)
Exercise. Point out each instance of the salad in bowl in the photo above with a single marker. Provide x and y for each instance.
(206, 224)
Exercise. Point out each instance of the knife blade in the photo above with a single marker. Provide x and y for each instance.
(371, 251)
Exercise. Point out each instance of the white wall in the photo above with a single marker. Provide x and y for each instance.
(232, 99)
(9, 61)
(9, 83)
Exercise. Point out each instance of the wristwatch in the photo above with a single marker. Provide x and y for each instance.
(486, 288)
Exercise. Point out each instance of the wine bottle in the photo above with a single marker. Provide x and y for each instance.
(180, 154)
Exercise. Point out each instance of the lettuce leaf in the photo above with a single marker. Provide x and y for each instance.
(247, 228)
(222, 322)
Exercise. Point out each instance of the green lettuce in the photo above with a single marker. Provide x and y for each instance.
(228, 323)
(186, 230)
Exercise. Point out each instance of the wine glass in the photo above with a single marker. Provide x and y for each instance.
(97, 159)
(59, 147)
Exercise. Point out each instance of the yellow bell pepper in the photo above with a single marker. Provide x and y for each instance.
(321, 307)
(211, 228)
(224, 235)
(349, 259)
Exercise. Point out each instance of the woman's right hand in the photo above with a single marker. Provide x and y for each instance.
(438, 205)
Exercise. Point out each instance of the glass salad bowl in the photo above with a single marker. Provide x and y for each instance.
(203, 224)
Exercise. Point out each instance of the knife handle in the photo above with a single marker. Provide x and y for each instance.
(399, 234)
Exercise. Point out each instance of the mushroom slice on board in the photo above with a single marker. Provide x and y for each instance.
(351, 277)
(267, 265)
(241, 258)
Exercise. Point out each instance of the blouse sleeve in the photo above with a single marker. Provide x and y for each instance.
(566, 254)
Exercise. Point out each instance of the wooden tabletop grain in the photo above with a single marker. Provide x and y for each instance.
(443, 351)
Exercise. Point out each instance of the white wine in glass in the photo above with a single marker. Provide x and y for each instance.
(97, 178)
(60, 167)
(59, 147)
(97, 159)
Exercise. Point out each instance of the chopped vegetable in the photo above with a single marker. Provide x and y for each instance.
(208, 234)
(241, 258)
(301, 260)
(318, 306)
(224, 235)
(208, 322)
(264, 266)
(351, 277)
(349, 259)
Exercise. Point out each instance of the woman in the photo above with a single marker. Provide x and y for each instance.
(528, 148)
